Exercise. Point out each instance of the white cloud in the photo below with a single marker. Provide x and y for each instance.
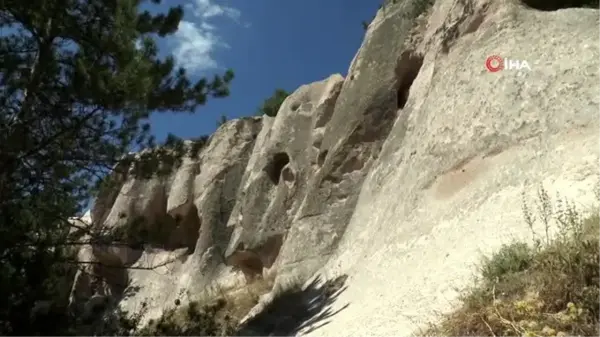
(194, 47)
(207, 26)
(196, 41)
(206, 9)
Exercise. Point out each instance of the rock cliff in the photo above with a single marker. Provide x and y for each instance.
(399, 175)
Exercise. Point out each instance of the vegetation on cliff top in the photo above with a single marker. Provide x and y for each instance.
(271, 105)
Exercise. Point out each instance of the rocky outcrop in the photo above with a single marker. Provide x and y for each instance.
(447, 185)
(277, 183)
(399, 175)
(183, 216)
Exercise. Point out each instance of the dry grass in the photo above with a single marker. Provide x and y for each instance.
(548, 289)
(216, 314)
(240, 301)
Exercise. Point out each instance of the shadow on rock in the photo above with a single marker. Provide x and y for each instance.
(130, 292)
(297, 309)
(101, 315)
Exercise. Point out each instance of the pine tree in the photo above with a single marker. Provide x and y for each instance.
(79, 81)
(222, 120)
(271, 105)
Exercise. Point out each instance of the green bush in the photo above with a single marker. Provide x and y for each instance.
(509, 259)
(271, 105)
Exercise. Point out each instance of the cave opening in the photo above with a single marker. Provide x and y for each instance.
(554, 5)
(276, 165)
(407, 69)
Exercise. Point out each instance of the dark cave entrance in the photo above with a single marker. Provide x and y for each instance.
(407, 69)
(276, 165)
(554, 5)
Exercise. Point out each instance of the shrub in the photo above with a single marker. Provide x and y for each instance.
(216, 315)
(271, 105)
(192, 320)
(548, 289)
(509, 259)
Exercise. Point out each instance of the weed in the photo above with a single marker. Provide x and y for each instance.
(548, 289)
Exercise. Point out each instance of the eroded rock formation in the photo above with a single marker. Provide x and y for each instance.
(399, 174)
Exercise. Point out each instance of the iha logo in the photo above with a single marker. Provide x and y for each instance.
(496, 63)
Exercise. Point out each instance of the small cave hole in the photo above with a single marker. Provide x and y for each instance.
(248, 262)
(276, 165)
(252, 261)
(321, 157)
(269, 251)
(287, 175)
(554, 5)
(407, 70)
(475, 23)
(295, 106)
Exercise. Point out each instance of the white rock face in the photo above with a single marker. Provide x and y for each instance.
(447, 185)
(400, 175)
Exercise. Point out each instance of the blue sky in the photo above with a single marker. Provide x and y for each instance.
(268, 43)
